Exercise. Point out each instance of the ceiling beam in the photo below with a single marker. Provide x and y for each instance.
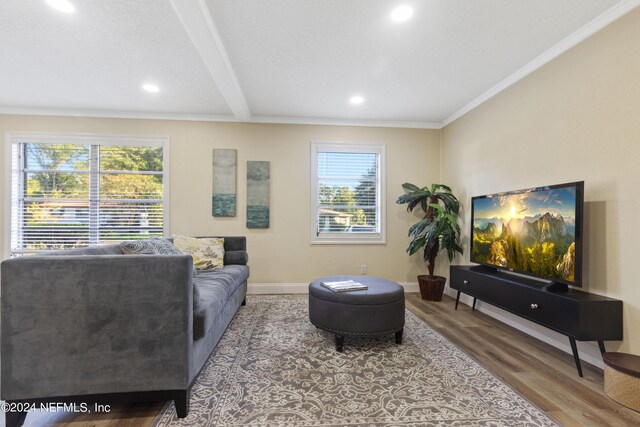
(345, 122)
(198, 23)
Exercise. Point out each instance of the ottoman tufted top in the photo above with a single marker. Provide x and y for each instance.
(381, 291)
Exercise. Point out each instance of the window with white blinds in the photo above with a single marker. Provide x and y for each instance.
(70, 191)
(347, 193)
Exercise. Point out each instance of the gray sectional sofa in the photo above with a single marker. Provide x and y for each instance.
(94, 325)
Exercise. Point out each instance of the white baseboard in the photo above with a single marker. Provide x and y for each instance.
(588, 351)
(302, 288)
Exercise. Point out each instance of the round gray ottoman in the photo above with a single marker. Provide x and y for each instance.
(379, 310)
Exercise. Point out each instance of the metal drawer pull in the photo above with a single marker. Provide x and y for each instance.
(466, 282)
(534, 306)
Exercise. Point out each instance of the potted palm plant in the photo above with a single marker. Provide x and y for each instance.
(438, 230)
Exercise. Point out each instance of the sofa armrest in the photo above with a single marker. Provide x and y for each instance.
(75, 325)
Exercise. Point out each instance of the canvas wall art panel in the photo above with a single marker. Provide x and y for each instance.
(224, 182)
(258, 180)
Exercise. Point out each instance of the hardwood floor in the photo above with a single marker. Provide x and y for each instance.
(126, 415)
(539, 372)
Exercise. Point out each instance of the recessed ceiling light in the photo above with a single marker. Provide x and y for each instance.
(150, 88)
(401, 13)
(64, 6)
(356, 99)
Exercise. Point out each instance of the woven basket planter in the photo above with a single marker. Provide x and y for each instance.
(622, 379)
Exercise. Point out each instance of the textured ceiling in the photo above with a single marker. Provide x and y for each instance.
(278, 60)
(98, 57)
(306, 58)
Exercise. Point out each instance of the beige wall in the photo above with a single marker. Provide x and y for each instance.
(282, 253)
(577, 118)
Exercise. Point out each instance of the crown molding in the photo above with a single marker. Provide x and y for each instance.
(597, 24)
(200, 26)
(345, 122)
(113, 114)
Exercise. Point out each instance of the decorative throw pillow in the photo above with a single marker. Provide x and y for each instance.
(207, 252)
(154, 246)
(165, 247)
(141, 247)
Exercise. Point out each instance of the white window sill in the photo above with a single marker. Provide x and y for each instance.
(343, 240)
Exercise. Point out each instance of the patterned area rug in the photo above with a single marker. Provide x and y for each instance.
(273, 368)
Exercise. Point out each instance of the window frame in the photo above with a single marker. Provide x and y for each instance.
(12, 138)
(360, 238)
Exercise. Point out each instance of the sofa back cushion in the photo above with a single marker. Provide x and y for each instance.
(113, 249)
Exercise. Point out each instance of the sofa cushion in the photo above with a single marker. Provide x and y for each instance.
(215, 288)
(207, 252)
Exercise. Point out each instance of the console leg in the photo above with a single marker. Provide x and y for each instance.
(603, 350)
(182, 403)
(339, 342)
(14, 419)
(457, 299)
(473, 307)
(244, 301)
(399, 336)
(574, 348)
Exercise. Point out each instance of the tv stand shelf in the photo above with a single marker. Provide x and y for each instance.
(578, 315)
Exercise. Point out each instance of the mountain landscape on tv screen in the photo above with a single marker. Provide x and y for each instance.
(532, 232)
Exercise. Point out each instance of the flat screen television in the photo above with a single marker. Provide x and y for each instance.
(536, 232)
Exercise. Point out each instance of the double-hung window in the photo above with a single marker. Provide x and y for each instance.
(71, 191)
(347, 193)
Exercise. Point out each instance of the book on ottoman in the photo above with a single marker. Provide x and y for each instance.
(344, 286)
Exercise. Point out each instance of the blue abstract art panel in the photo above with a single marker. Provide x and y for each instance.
(258, 180)
(224, 182)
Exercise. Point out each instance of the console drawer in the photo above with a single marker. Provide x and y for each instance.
(547, 309)
(579, 315)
